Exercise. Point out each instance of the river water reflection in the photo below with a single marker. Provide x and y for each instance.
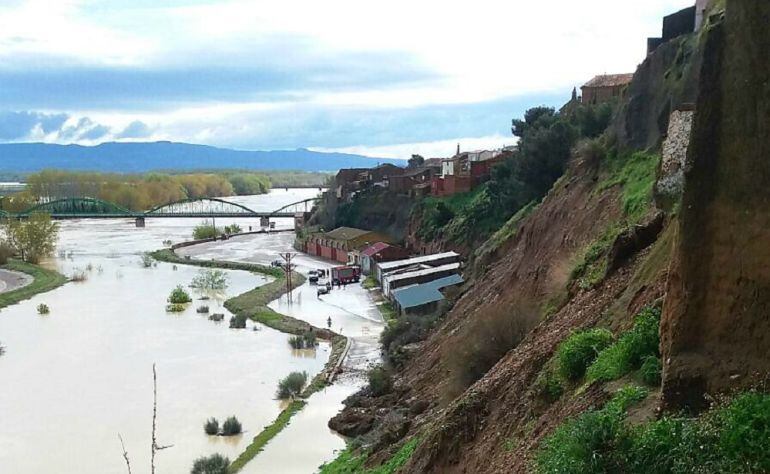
(72, 380)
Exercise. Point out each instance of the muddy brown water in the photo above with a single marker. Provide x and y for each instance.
(75, 378)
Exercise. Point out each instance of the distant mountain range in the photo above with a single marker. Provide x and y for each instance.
(140, 157)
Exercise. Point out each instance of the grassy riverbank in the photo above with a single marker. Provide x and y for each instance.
(253, 305)
(44, 280)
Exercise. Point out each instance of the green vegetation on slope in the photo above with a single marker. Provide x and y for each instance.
(630, 351)
(44, 280)
(351, 462)
(734, 437)
(635, 174)
(546, 139)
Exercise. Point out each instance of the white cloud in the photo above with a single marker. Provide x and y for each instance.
(434, 149)
(479, 51)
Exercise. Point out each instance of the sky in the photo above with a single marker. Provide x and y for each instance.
(385, 79)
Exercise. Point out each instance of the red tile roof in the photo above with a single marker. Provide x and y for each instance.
(374, 249)
(610, 80)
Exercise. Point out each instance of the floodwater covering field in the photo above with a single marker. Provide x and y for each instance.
(75, 378)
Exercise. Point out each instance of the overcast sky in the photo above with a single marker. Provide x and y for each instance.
(381, 78)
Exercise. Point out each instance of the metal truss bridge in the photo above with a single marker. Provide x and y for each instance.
(201, 208)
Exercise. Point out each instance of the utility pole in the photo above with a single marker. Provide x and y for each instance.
(287, 257)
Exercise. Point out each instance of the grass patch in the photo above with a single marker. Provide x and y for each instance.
(388, 312)
(630, 350)
(733, 437)
(168, 256)
(635, 172)
(506, 232)
(44, 280)
(592, 266)
(586, 443)
(349, 461)
(369, 283)
(260, 441)
(579, 350)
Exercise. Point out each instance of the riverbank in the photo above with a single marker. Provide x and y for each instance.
(43, 280)
(253, 305)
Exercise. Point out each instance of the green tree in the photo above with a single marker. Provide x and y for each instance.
(33, 238)
(415, 161)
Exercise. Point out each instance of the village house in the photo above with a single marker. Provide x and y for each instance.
(380, 252)
(349, 181)
(605, 88)
(411, 178)
(340, 243)
(465, 171)
(683, 22)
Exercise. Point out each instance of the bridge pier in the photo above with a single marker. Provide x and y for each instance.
(140, 221)
(264, 221)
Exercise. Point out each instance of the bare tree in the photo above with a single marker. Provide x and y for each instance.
(125, 453)
(155, 446)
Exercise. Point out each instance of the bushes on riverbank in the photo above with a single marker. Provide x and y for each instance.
(307, 340)
(214, 464)
(291, 385)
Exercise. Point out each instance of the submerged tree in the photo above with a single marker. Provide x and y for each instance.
(33, 238)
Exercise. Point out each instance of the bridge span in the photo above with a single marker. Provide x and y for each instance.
(199, 208)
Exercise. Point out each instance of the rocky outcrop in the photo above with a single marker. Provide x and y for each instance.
(668, 188)
(716, 321)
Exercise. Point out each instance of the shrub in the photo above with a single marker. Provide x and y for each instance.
(204, 231)
(210, 280)
(380, 381)
(630, 350)
(406, 330)
(147, 260)
(214, 464)
(202, 309)
(43, 309)
(6, 252)
(548, 385)
(231, 426)
(734, 437)
(211, 427)
(78, 275)
(233, 229)
(650, 371)
(175, 308)
(238, 321)
(586, 443)
(305, 341)
(179, 296)
(485, 342)
(579, 350)
(291, 385)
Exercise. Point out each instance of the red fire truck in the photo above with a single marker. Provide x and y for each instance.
(346, 274)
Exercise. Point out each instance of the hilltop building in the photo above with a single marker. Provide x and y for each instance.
(605, 88)
(683, 22)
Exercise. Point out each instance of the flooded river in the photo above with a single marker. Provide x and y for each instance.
(75, 378)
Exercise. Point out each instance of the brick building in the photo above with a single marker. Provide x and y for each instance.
(605, 88)
(339, 244)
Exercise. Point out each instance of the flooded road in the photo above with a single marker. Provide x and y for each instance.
(307, 441)
(72, 380)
